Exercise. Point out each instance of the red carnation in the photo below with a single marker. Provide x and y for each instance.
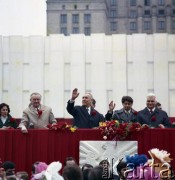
(135, 112)
(93, 113)
(12, 120)
(153, 118)
(39, 112)
(134, 127)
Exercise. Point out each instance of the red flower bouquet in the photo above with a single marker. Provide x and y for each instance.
(61, 126)
(118, 131)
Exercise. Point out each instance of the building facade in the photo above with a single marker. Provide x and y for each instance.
(110, 16)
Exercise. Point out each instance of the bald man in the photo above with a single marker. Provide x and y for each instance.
(85, 116)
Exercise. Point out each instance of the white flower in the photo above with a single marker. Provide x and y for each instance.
(161, 155)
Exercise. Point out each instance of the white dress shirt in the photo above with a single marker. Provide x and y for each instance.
(3, 119)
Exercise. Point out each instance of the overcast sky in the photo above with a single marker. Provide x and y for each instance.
(22, 17)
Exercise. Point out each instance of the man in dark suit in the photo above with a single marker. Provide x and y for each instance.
(152, 116)
(124, 115)
(85, 116)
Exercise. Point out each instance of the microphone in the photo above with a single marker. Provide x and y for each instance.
(31, 126)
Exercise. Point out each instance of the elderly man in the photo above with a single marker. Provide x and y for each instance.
(152, 116)
(85, 116)
(36, 115)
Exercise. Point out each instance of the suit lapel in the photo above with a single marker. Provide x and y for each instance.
(85, 111)
(147, 114)
(86, 115)
(1, 124)
(155, 111)
(92, 110)
(33, 111)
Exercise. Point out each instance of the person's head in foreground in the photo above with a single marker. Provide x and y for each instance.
(72, 172)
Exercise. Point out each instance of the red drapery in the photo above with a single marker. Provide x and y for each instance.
(50, 145)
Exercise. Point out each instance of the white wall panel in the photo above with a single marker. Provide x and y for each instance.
(108, 49)
(171, 75)
(67, 49)
(119, 68)
(77, 58)
(46, 76)
(130, 75)
(5, 50)
(129, 48)
(26, 52)
(88, 76)
(150, 76)
(161, 69)
(67, 96)
(1, 68)
(149, 56)
(107, 66)
(36, 64)
(109, 77)
(139, 70)
(88, 49)
(25, 101)
(15, 86)
(5, 77)
(98, 69)
(171, 103)
(47, 49)
(56, 75)
(171, 47)
(5, 98)
(26, 77)
(67, 76)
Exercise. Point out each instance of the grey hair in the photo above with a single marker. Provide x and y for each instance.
(35, 94)
(151, 95)
(89, 94)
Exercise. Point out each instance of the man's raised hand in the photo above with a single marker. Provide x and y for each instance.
(111, 106)
(75, 94)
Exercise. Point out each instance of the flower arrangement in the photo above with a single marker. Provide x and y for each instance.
(61, 126)
(118, 131)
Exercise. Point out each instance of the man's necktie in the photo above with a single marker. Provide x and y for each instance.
(88, 110)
